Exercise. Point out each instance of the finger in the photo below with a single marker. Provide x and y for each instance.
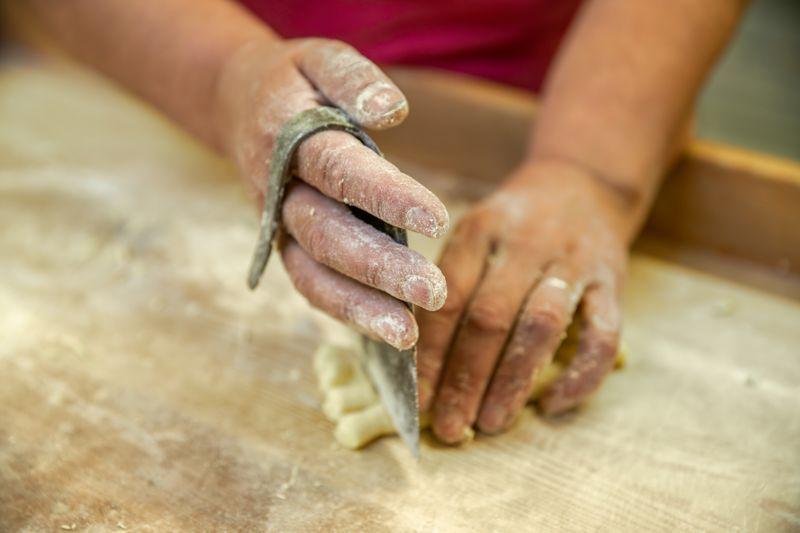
(367, 310)
(540, 327)
(353, 83)
(342, 168)
(594, 359)
(462, 262)
(334, 237)
(479, 342)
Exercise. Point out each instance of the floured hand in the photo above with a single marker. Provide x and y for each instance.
(551, 241)
(341, 264)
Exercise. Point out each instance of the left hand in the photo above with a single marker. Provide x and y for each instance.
(551, 240)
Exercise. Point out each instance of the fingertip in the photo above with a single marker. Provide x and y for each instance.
(552, 404)
(449, 427)
(439, 292)
(493, 419)
(442, 221)
(428, 291)
(396, 329)
(368, 310)
(431, 220)
(379, 106)
(353, 83)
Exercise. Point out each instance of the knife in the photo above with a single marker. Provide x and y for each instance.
(393, 372)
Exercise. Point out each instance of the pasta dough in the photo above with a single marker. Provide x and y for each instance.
(352, 404)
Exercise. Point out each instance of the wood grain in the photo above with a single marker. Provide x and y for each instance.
(144, 387)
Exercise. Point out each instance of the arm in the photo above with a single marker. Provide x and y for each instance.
(232, 82)
(620, 91)
(552, 241)
(170, 53)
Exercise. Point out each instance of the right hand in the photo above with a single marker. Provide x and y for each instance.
(342, 265)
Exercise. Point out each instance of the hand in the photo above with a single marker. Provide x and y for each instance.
(341, 264)
(551, 240)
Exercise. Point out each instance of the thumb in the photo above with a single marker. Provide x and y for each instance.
(353, 83)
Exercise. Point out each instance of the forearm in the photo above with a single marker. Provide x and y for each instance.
(623, 85)
(168, 52)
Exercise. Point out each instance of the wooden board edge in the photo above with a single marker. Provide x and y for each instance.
(725, 199)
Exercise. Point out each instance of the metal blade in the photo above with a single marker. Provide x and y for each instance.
(394, 375)
(393, 372)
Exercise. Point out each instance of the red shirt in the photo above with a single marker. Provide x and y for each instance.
(510, 41)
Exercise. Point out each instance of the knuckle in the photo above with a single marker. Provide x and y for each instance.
(321, 41)
(327, 163)
(316, 243)
(312, 236)
(340, 170)
(510, 384)
(602, 346)
(372, 273)
(322, 159)
(429, 362)
(486, 318)
(544, 322)
(463, 382)
(336, 45)
(453, 304)
(334, 59)
(352, 303)
(315, 45)
(514, 376)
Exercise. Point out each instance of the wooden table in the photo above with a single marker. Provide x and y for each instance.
(144, 388)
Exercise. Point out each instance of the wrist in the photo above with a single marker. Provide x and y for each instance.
(627, 196)
(625, 209)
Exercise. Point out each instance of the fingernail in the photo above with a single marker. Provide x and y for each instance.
(396, 330)
(438, 289)
(554, 403)
(418, 290)
(449, 427)
(493, 418)
(428, 292)
(382, 105)
(431, 224)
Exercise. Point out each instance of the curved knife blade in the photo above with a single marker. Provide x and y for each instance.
(392, 372)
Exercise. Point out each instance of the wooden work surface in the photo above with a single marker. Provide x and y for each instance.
(143, 387)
